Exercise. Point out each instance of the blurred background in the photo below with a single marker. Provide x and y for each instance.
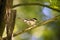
(49, 31)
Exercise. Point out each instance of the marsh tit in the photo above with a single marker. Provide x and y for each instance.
(31, 22)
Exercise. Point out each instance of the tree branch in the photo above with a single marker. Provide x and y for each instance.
(38, 24)
(38, 4)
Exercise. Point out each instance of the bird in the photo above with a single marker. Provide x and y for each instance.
(30, 22)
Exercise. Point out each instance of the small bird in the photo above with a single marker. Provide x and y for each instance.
(31, 22)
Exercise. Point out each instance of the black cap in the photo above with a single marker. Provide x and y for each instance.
(35, 18)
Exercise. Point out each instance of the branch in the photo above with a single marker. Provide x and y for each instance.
(39, 24)
(38, 4)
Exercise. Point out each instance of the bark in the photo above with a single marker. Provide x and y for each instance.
(10, 19)
(2, 14)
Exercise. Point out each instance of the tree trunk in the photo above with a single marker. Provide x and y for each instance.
(2, 14)
(10, 19)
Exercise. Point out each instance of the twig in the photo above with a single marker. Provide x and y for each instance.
(38, 4)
